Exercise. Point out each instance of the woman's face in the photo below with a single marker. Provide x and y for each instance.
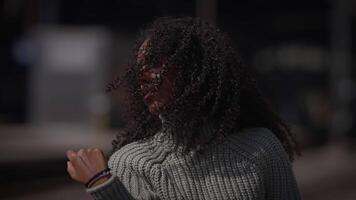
(159, 94)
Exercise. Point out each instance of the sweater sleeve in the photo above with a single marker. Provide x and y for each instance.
(125, 182)
(279, 180)
(109, 190)
(114, 189)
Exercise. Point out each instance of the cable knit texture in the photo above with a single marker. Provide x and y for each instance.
(250, 164)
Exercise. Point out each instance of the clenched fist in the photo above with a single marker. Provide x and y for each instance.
(85, 163)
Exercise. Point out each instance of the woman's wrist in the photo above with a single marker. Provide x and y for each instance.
(100, 181)
(99, 178)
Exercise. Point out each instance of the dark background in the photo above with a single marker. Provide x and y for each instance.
(302, 52)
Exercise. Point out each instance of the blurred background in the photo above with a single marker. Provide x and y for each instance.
(57, 56)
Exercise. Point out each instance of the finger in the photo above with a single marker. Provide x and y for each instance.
(98, 151)
(91, 159)
(71, 170)
(90, 153)
(76, 161)
(71, 155)
(82, 154)
(99, 155)
(98, 159)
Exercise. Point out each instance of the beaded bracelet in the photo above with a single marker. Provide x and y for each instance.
(96, 177)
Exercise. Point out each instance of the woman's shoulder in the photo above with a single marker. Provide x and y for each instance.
(128, 153)
(256, 144)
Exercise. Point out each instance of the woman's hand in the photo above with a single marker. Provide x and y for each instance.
(85, 163)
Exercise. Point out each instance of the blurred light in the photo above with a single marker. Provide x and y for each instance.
(290, 57)
(71, 50)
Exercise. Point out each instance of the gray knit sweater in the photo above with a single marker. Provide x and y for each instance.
(251, 164)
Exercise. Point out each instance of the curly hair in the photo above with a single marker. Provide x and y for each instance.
(211, 84)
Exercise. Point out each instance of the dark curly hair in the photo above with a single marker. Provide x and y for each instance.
(211, 84)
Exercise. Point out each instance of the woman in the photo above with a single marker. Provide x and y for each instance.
(200, 128)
